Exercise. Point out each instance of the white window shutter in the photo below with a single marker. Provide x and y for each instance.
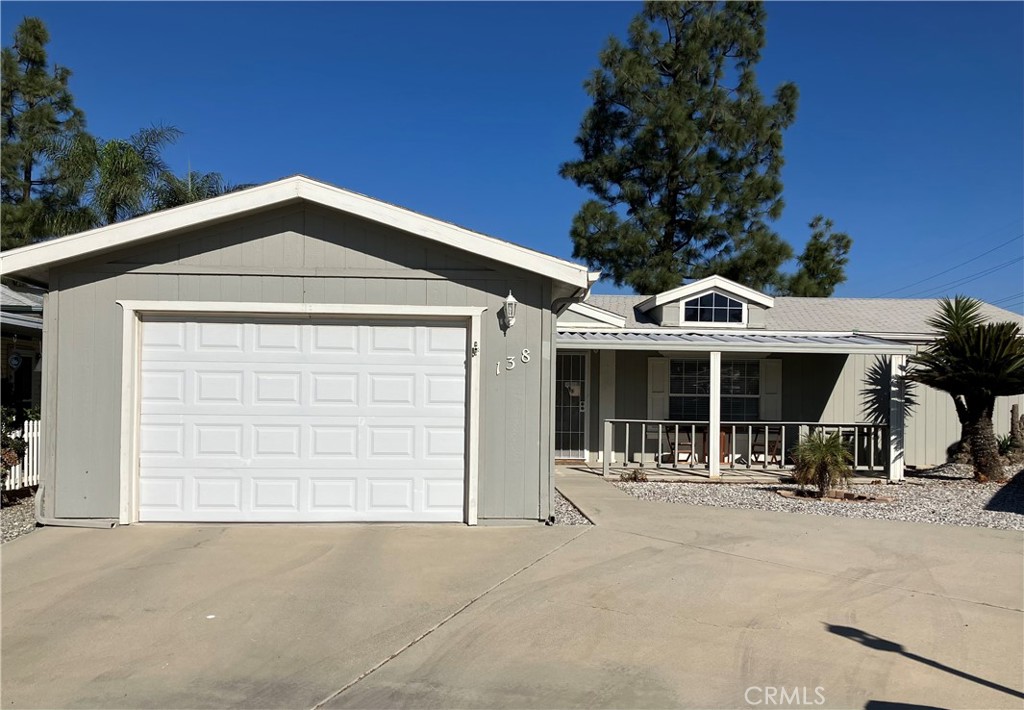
(657, 388)
(771, 390)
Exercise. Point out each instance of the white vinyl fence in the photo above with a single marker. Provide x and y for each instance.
(26, 473)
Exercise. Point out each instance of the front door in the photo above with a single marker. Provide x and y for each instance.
(571, 406)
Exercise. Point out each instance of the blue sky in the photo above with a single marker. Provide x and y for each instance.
(909, 133)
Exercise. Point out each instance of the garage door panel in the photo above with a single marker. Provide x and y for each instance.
(221, 495)
(302, 421)
(275, 494)
(261, 442)
(162, 336)
(299, 495)
(190, 386)
(218, 337)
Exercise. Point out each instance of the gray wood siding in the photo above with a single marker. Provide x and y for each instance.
(299, 255)
(837, 388)
(825, 388)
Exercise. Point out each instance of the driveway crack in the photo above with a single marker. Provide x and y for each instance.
(445, 620)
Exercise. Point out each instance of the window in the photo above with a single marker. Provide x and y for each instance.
(712, 308)
(690, 387)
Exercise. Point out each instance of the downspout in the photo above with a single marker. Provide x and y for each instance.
(558, 306)
(68, 522)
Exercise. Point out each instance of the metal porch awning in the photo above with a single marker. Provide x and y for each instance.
(844, 343)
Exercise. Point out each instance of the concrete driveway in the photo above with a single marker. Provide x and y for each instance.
(660, 605)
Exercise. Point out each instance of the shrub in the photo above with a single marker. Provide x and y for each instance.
(636, 475)
(1005, 444)
(822, 461)
(12, 446)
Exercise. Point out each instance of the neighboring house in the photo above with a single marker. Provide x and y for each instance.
(21, 340)
(296, 352)
(782, 366)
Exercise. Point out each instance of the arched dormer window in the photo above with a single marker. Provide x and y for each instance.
(712, 308)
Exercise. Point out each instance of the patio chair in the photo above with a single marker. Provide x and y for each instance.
(672, 451)
(770, 450)
(680, 449)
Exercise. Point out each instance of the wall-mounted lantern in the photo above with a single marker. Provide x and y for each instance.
(510, 310)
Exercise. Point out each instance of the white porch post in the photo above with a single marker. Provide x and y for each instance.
(715, 417)
(606, 399)
(897, 425)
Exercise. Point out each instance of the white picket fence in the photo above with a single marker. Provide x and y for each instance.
(26, 473)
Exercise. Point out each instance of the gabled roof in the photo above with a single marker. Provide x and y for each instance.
(35, 260)
(591, 316)
(896, 316)
(704, 285)
(21, 301)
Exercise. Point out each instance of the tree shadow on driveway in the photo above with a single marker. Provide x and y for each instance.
(880, 644)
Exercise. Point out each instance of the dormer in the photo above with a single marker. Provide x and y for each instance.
(712, 302)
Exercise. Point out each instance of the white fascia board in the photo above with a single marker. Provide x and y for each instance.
(880, 349)
(281, 192)
(300, 309)
(599, 314)
(901, 337)
(685, 330)
(710, 283)
(155, 224)
(444, 232)
(582, 327)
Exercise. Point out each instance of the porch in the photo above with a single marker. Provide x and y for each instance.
(746, 451)
(630, 400)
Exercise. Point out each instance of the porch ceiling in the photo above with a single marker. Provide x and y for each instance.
(846, 343)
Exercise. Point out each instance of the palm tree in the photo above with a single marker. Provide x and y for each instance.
(974, 362)
(127, 172)
(173, 191)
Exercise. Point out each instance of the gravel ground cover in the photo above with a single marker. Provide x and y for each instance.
(945, 495)
(17, 518)
(566, 513)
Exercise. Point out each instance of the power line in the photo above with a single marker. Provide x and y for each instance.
(931, 292)
(1009, 299)
(952, 268)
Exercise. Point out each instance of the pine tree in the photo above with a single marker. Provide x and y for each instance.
(40, 120)
(823, 262)
(683, 154)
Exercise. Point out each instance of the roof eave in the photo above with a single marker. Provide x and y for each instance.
(34, 261)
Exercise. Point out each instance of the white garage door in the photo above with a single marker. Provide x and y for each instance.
(318, 421)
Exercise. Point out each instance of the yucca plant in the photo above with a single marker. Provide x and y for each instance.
(822, 461)
(974, 362)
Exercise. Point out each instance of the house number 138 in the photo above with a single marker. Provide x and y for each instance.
(510, 361)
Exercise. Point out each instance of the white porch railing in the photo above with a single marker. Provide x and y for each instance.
(26, 473)
(764, 446)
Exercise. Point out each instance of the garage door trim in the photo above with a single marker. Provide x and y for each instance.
(131, 361)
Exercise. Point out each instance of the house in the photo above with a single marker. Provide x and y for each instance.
(21, 338)
(645, 378)
(297, 352)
